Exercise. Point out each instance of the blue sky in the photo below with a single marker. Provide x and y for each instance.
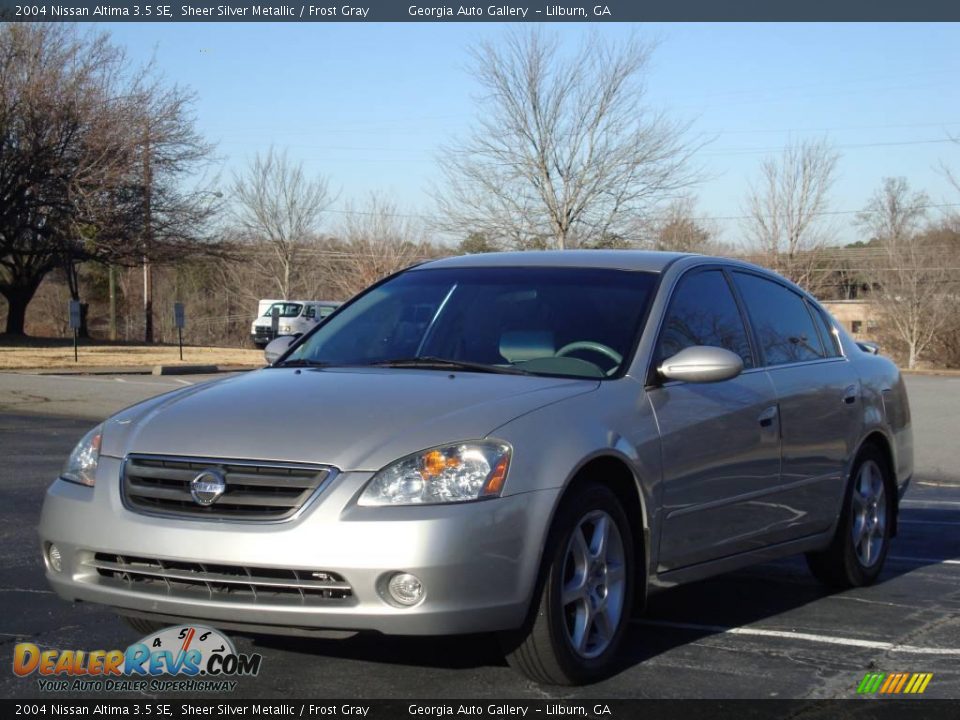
(369, 104)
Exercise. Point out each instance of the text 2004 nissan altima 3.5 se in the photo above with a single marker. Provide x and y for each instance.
(525, 444)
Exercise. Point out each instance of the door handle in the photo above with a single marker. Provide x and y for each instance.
(850, 395)
(768, 416)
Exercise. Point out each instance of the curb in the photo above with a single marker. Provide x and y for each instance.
(134, 370)
(184, 369)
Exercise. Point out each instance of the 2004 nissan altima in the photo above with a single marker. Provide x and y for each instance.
(527, 444)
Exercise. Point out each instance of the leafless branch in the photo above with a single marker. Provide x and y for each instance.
(566, 151)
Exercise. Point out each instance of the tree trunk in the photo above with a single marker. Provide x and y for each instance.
(147, 301)
(113, 302)
(912, 360)
(18, 299)
(84, 331)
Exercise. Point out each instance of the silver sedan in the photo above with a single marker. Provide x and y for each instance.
(524, 444)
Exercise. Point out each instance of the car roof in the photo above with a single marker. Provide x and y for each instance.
(643, 260)
(646, 260)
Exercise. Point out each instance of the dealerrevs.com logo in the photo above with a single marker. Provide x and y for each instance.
(205, 659)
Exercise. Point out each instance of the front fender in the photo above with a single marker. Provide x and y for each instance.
(553, 444)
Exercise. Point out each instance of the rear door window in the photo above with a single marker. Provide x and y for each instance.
(831, 347)
(783, 326)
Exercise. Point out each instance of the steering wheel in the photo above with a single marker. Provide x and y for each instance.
(596, 347)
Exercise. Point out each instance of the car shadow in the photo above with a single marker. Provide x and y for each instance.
(455, 652)
(736, 599)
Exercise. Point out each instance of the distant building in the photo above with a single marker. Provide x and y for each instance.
(858, 317)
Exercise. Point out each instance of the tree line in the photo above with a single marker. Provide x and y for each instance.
(105, 191)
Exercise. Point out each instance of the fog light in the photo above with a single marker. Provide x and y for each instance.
(53, 555)
(405, 589)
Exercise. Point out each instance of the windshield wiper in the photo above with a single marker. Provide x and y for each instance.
(302, 362)
(429, 361)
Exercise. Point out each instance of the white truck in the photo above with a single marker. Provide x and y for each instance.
(295, 317)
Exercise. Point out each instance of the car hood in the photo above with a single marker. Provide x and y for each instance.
(354, 419)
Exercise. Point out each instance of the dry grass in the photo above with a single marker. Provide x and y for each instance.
(18, 358)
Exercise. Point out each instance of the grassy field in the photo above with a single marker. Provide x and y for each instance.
(35, 353)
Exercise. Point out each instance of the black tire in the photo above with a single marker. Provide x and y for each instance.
(847, 562)
(544, 649)
(144, 626)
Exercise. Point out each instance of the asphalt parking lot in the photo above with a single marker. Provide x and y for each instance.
(769, 631)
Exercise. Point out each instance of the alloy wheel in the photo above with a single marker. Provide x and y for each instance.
(869, 509)
(594, 584)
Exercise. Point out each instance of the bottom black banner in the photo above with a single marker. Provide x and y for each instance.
(861, 709)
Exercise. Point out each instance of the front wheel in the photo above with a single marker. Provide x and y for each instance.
(587, 592)
(859, 548)
(143, 626)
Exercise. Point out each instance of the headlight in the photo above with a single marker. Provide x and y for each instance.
(454, 473)
(81, 466)
(286, 329)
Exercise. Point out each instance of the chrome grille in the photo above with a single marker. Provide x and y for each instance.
(255, 491)
(264, 333)
(216, 581)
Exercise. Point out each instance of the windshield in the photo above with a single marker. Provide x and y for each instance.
(287, 309)
(552, 321)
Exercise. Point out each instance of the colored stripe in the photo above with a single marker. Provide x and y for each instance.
(926, 681)
(903, 679)
(186, 641)
(875, 684)
(914, 683)
(891, 680)
(865, 683)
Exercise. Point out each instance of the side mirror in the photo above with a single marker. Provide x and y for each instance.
(702, 364)
(277, 347)
(868, 347)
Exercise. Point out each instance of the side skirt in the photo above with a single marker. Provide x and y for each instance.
(703, 570)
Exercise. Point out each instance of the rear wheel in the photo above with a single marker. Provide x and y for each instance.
(586, 594)
(859, 548)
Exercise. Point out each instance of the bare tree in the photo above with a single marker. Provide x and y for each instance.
(278, 203)
(375, 241)
(945, 347)
(53, 79)
(909, 275)
(144, 213)
(678, 229)
(786, 209)
(73, 184)
(566, 151)
(475, 243)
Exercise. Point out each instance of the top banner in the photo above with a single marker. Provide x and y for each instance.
(406, 11)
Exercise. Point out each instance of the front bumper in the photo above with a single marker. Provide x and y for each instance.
(263, 335)
(478, 561)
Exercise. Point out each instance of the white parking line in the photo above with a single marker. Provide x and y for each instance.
(850, 598)
(808, 637)
(929, 503)
(923, 561)
(109, 380)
